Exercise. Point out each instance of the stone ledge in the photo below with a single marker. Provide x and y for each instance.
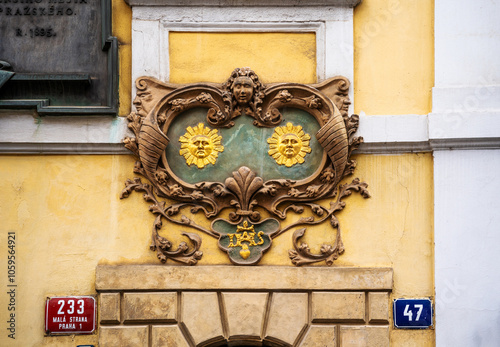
(244, 3)
(161, 277)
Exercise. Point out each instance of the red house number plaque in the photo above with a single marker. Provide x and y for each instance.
(70, 315)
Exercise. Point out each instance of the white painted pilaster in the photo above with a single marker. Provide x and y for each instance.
(466, 114)
(467, 247)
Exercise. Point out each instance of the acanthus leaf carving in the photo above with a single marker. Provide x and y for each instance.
(244, 184)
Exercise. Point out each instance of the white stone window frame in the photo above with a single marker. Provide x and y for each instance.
(318, 28)
(332, 26)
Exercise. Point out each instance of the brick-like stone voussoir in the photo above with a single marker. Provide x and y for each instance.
(378, 311)
(364, 336)
(320, 335)
(109, 305)
(245, 314)
(335, 307)
(123, 336)
(288, 316)
(201, 317)
(167, 336)
(150, 306)
(160, 277)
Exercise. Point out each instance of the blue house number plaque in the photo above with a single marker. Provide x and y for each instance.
(412, 313)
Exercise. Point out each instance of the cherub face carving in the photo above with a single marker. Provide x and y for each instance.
(243, 88)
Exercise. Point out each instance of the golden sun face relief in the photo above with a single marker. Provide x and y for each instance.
(200, 146)
(289, 145)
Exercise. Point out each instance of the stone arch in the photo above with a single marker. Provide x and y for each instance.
(272, 306)
(243, 343)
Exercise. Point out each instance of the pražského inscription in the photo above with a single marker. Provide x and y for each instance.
(57, 54)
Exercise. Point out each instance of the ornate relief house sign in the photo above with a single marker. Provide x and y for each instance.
(260, 151)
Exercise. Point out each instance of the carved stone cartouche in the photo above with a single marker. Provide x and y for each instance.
(246, 234)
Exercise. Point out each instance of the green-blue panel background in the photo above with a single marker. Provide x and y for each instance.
(244, 145)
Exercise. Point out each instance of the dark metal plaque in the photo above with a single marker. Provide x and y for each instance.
(58, 56)
(412, 313)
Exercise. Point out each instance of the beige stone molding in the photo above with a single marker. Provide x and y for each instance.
(382, 134)
(63, 148)
(160, 277)
(208, 306)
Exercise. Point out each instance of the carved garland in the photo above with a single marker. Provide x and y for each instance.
(245, 236)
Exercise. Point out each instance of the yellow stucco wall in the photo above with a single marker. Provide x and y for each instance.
(122, 29)
(393, 56)
(68, 217)
(47, 194)
(211, 57)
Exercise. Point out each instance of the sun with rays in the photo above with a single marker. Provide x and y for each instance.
(200, 146)
(289, 145)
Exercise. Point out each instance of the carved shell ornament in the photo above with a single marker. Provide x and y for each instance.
(262, 152)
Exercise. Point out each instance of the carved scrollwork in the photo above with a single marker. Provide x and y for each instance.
(244, 193)
(160, 244)
(302, 255)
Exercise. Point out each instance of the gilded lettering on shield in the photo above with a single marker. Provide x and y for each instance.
(243, 234)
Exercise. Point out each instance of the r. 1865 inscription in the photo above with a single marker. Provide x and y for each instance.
(61, 55)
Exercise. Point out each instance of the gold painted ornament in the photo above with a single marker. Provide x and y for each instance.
(200, 146)
(289, 145)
